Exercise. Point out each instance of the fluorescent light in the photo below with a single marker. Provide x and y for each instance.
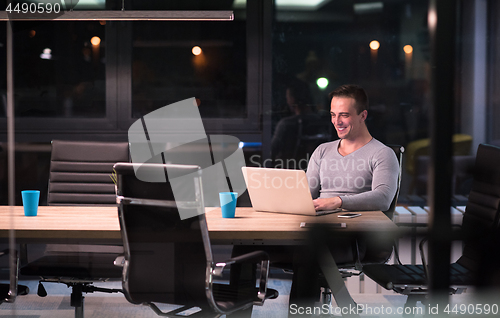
(288, 4)
(78, 5)
(85, 4)
(118, 15)
(368, 7)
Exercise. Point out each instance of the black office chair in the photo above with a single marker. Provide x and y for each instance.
(480, 230)
(80, 174)
(169, 259)
(8, 292)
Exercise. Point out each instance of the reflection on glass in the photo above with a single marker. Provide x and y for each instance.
(59, 69)
(343, 42)
(173, 61)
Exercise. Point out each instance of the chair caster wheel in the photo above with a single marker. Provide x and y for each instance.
(41, 290)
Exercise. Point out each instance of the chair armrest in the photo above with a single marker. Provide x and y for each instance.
(119, 261)
(455, 235)
(422, 255)
(420, 229)
(253, 257)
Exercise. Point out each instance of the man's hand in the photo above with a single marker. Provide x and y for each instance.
(327, 203)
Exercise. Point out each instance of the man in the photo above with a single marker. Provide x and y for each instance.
(355, 172)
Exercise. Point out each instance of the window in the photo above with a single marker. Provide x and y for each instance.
(331, 45)
(173, 61)
(59, 69)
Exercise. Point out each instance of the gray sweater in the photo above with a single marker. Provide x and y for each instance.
(365, 179)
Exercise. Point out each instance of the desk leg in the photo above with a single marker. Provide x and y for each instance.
(336, 283)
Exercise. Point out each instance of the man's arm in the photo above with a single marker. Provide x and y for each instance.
(384, 185)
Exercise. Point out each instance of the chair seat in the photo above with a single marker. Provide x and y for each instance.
(389, 276)
(228, 297)
(75, 265)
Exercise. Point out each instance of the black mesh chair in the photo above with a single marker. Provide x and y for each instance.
(480, 232)
(169, 259)
(80, 174)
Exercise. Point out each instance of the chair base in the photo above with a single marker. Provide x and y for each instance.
(77, 299)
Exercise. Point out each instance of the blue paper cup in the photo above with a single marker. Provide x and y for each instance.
(228, 203)
(30, 202)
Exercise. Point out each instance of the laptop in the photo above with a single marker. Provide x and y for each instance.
(281, 191)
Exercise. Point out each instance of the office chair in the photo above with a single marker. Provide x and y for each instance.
(480, 233)
(169, 259)
(80, 174)
(8, 292)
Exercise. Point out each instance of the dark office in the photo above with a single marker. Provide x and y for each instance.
(249, 158)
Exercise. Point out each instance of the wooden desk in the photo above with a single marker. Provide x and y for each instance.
(61, 222)
(251, 225)
(101, 223)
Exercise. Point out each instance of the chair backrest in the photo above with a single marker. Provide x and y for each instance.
(399, 151)
(80, 172)
(481, 219)
(166, 258)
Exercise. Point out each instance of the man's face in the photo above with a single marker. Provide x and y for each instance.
(346, 120)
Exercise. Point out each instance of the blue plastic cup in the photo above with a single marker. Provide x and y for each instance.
(228, 203)
(30, 202)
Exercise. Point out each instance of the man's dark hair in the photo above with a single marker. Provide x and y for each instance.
(352, 91)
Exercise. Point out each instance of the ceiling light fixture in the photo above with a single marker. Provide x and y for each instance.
(120, 15)
(368, 7)
(306, 5)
